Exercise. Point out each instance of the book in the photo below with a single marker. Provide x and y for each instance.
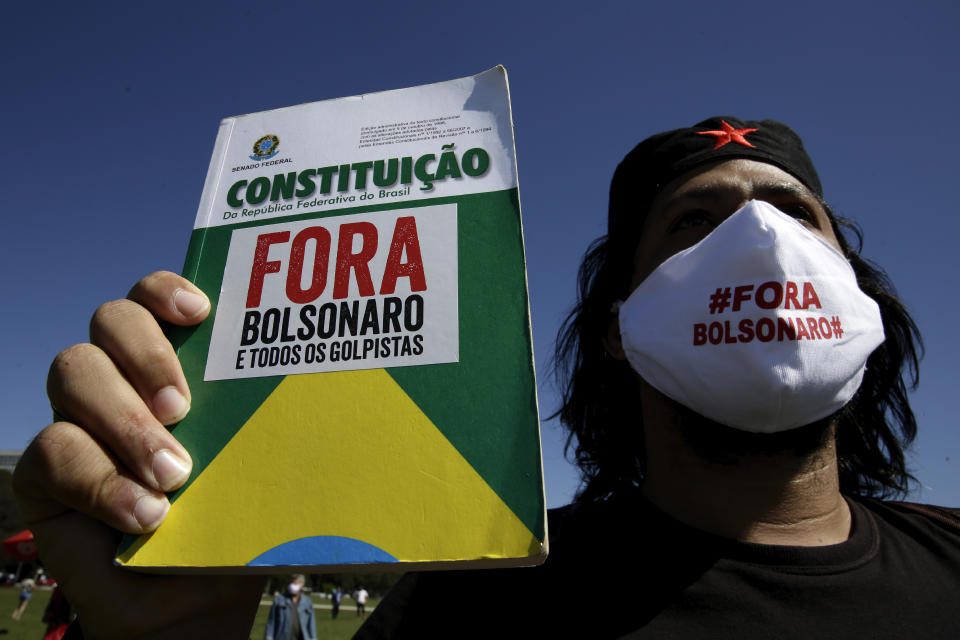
(363, 391)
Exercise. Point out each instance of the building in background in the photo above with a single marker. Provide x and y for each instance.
(9, 459)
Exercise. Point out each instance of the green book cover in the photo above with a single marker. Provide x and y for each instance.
(363, 389)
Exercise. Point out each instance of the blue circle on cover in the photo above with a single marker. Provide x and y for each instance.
(317, 550)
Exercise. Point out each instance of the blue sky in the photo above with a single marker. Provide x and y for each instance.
(110, 113)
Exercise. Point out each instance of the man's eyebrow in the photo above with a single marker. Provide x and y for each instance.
(707, 192)
(783, 189)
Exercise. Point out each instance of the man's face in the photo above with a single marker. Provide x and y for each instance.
(692, 206)
(685, 212)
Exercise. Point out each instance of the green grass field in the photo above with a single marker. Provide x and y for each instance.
(29, 627)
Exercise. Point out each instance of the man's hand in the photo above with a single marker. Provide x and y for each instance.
(105, 465)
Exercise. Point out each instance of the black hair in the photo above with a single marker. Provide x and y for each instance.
(600, 404)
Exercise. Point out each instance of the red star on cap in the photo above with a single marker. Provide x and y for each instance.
(729, 134)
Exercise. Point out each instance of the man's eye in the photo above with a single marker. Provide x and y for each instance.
(690, 220)
(798, 211)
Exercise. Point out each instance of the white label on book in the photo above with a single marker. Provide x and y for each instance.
(364, 291)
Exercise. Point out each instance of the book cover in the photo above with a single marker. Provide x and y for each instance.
(363, 389)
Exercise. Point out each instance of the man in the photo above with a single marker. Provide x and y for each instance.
(360, 597)
(715, 503)
(750, 516)
(26, 590)
(291, 615)
(335, 596)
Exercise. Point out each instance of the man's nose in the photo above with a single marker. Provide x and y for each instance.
(732, 206)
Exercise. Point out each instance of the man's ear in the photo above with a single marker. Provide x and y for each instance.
(611, 340)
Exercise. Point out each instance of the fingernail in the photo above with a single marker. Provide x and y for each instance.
(150, 511)
(188, 303)
(169, 405)
(169, 470)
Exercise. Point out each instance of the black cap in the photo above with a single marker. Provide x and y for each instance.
(660, 158)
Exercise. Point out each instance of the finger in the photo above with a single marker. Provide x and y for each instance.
(131, 337)
(85, 384)
(65, 469)
(171, 298)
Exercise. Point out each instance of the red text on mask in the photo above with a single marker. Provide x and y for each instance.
(768, 330)
(769, 295)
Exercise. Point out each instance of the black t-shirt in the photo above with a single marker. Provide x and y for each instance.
(624, 568)
(296, 633)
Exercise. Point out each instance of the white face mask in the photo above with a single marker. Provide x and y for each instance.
(294, 588)
(760, 326)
